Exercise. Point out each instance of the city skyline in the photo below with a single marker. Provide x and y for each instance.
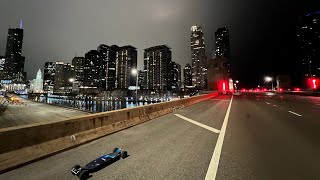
(64, 30)
(71, 37)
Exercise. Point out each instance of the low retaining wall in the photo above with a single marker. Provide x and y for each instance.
(27, 143)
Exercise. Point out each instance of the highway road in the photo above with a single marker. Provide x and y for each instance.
(250, 136)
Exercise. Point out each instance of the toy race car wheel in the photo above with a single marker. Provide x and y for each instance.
(75, 167)
(124, 154)
(84, 175)
(115, 149)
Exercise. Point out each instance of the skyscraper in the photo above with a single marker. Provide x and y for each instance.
(104, 51)
(48, 76)
(111, 74)
(187, 74)
(109, 67)
(59, 77)
(157, 68)
(14, 64)
(127, 60)
(141, 79)
(92, 70)
(2, 63)
(222, 43)
(223, 47)
(198, 57)
(176, 79)
(309, 44)
(78, 63)
(63, 73)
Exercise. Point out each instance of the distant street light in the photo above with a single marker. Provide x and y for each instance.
(71, 80)
(269, 79)
(73, 95)
(237, 81)
(135, 72)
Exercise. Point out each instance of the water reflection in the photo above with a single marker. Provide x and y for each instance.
(87, 103)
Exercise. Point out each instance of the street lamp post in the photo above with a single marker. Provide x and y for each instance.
(74, 97)
(269, 79)
(135, 72)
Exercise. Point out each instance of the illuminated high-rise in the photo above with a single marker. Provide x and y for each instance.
(309, 44)
(157, 68)
(223, 47)
(77, 62)
(48, 76)
(64, 72)
(14, 63)
(198, 57)
(126, 62)
(187, 74)
(222, 43)
(176, 76)
(92, 70)
(116, 65)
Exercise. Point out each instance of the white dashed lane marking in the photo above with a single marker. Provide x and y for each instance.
(295, 113)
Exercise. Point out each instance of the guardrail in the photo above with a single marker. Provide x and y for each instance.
(24, 144)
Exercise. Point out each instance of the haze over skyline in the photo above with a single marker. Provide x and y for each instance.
(57, 30)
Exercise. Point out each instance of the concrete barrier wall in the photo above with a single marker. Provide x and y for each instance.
(22, 144)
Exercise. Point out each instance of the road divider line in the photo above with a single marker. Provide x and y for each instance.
(267, 102)
(295, 113)
(198, 124)
(214, 163)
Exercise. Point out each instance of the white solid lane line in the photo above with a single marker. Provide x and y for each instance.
(214, 163)
(295, 113)
(267, 102)
(198, 124)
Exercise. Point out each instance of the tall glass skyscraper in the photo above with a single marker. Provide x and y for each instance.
(198, 57)
(157, 68)
(14, 63)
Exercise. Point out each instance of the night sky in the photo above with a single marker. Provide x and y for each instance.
(262, 34)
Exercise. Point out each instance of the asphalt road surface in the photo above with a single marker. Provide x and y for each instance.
(29, 112)
(250, 136)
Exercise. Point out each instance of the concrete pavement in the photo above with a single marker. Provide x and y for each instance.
(29, 112)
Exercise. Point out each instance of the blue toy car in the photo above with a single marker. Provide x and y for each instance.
(99, 163)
